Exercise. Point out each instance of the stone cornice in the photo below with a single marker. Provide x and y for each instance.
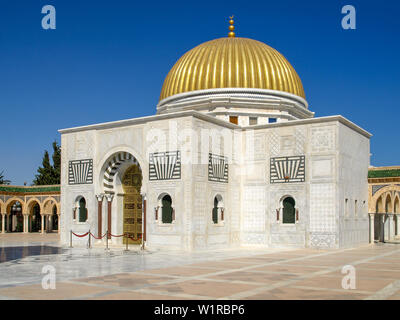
(337, 118)
(204, 100)
(208, 118)
(384, 180)
(244, 91)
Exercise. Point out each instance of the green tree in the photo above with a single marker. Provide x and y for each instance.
(48, 173)
(56, 163)
(2, 179)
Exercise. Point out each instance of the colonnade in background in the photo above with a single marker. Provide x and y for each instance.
(32, 215)
(385, 221)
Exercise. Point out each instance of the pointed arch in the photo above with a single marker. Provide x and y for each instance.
(112, 166)
(388, 203)
(11, 201)
(48, 204)
(396, 204)
(381, 195)
(31, 203)
(379, 208)
(2, 207)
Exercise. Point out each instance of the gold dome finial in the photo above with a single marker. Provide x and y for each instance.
(231, 34)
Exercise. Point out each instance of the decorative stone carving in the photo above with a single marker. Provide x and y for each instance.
(322, 139)
(287, 169)
(165, 165)
(80, 171)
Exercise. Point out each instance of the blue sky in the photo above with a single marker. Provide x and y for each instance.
(107, 61)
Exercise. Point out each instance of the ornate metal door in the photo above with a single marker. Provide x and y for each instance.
(131, 182)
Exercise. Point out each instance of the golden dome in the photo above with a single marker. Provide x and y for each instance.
(232, 62)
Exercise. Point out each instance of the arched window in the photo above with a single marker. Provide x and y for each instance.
(218, 209)
(82, 210)
(166, 209)
(289, 211)
(215, 211)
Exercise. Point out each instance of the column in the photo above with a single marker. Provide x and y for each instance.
(99, 214)
(397, 224)
(42, 223)
(109, 201)
(390, 226)
(382, 217)
(13, 222)
(50, 228)
(59, 223)
(3, 221)
(25, 223)
(371, 227)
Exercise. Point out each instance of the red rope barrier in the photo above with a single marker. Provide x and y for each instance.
(117, 236)
(113, 235)
(132, 238)
(98, 238)
(80, 235)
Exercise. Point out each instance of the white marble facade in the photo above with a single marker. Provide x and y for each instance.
(330, 197)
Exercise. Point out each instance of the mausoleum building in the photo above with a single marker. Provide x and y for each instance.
(233, 157)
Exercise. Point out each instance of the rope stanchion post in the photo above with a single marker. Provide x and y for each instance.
(70, 238)
(107, 241)
(89, 239)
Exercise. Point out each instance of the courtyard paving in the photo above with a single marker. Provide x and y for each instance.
(222, 274)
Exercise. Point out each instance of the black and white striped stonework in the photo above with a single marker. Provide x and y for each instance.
(165, 165)
(112, 169)
(80, 171)
(287, 169)
(217, 168)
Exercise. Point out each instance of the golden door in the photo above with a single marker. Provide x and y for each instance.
(131, 183)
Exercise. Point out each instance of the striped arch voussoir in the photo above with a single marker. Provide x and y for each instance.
(112, 168)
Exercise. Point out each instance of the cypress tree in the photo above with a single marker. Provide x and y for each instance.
(56, 163)
(45, 172)
(49, 174)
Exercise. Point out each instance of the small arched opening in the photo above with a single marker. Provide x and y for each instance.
(82, 210)
(167, 210)
(218, 210)
(288, 210)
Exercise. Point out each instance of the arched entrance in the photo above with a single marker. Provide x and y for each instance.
(54, 219)
(14, 222)
(132, 203)
(35, 219)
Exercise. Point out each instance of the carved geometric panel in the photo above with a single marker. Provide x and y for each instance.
(80, 171)
(217, 168)
(376, 188)
(165, 165)
(300, 141)
(322, 139)
(287, 169)
(322, 208)
(254, 209)
(322, 240)
(273, 142)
